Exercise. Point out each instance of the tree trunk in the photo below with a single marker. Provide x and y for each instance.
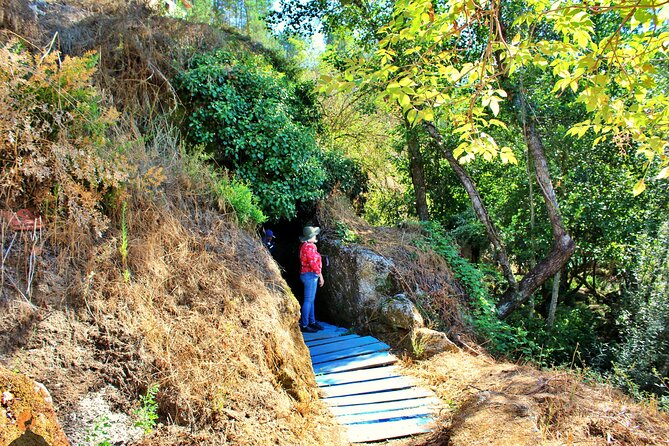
(533, 248)
(563, 245)
(477, 204)
(554, 298)
(417, 172)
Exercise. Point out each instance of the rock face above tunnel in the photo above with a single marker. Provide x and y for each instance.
(359, 290)
(356, 280)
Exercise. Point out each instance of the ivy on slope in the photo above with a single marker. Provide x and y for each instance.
(499, 336)
(259, 123)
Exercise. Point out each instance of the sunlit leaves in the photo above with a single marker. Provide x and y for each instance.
(639, 187)
(664, 173)
(419, 66)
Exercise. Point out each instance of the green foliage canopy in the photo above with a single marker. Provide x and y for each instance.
(445, 61)
(257, 122)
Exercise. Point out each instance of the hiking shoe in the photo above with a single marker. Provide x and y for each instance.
(317, 326)
(308, 329)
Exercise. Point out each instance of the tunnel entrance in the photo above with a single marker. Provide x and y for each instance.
(287, 255)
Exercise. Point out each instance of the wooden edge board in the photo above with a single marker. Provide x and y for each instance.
(341, 344)
(351, 352)
(363, 433)
(330, 379)
(323, 341)
(377, 385)
(356, 363)
(329, 326)
(378, 397)
(398, 414)
(322, 335)
(359, 409)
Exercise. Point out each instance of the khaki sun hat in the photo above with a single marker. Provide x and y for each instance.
(310, 232)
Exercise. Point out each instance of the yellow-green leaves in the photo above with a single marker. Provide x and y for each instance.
(444, 63)
(492, 100)
(482, 145)
(573, 23)
(615, 77)
(507, 156)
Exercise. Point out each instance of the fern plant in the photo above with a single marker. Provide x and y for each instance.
(57, 157)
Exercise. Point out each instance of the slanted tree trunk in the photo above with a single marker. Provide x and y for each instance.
(533, 245)
(554, 298)
(563, 245)
(477, 203)
(417, 171)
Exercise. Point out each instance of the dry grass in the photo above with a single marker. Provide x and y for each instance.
(139, 51)
(488, 402)
(205, 314)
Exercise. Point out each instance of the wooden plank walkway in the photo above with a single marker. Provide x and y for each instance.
(364, 390)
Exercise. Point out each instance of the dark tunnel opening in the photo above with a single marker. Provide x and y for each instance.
(286, 253)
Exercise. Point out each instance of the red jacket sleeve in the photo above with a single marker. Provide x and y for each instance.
(310, 259)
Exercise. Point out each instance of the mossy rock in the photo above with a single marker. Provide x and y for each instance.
(27, 416)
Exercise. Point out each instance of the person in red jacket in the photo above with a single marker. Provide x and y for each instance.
(311, 275)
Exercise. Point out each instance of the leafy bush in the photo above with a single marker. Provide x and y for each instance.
(55, 155)
(98, 434)
(240, 197)
(388, 207)
(256, 122)
(504, 338)
(642, 358)
(344, 175)
(345, 234)
(572, 339)
(530, 339)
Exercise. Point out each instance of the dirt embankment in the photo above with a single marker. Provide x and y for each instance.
(205, 314)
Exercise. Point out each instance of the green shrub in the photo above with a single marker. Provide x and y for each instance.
(572, 339)
(503, 338)
(345, 234)
(258, 123)
(240, 197)
(344, 175)
(98, 434)
(147, 414)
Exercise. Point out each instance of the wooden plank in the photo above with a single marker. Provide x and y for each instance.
(356, 363)
(341, 345)
(366, 432)
(327, 326)
(379, 397)
(381, 407)
(323, 334)
(330, 379)
(378, 385)
(329, 340)
(378, 346)
(412, 412)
